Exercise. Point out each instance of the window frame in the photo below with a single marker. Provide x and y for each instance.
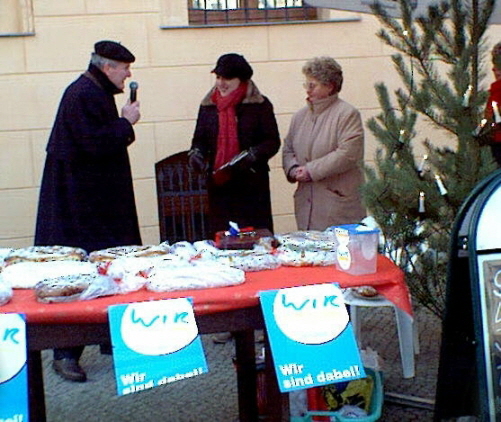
(19, 15)
(250, 13)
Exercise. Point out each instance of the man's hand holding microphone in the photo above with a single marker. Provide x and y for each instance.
(130, 111)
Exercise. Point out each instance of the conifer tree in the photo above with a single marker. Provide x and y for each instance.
(415, 197)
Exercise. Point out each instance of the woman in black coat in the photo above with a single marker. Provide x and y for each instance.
(235, 118)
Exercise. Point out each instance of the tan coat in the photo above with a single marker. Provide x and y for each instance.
(327, 137)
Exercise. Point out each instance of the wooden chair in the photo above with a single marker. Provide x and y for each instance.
(182, 200)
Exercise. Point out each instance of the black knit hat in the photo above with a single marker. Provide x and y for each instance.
(233, 65)
(114, 51)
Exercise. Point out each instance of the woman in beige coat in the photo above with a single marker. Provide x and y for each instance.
(323, 152)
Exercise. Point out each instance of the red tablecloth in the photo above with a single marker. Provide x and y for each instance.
(388, 280)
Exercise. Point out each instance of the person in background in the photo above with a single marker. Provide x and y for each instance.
(495, 95)
(235, 117)
(86, 195)
(323, 151)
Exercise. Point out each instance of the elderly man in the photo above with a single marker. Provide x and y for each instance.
(86, 196)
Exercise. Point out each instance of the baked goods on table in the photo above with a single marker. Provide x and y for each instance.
(365, 292)
(130, 273)
(311, 240)
(248, 260)
(69, 288)
(25, 275)
(5, 293)
(129, 251)
(245, 239)
(197, 275)
(45, 253)
(62, 273)
(305, 258)
(307, 248)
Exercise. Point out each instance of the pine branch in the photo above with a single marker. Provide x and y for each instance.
(415, 201)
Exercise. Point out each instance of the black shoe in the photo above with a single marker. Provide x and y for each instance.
(69, 369)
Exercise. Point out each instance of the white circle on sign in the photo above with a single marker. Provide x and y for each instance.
(12, 346)
(158, 327)
(311, 314)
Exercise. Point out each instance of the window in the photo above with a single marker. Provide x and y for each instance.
(16, 17)
(216, 12)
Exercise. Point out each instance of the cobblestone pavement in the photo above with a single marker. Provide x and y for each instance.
(212, 397)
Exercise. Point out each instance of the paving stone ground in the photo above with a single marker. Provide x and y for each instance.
(212, 397)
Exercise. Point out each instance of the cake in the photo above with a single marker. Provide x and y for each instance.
(243, 240)
(45, 253)
(110, 254)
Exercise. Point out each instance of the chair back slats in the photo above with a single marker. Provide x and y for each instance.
(182, 200)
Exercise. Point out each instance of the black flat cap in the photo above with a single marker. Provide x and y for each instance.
(233, 65)
(114, 51)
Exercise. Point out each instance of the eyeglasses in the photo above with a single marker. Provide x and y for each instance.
(310, 85)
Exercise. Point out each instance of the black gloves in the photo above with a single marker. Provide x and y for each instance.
(196, 161)
(246, 162)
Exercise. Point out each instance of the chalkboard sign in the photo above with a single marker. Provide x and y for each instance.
(485, 233)
(469, 376)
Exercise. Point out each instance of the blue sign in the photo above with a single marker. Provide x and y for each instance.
(13, 369)
(155, 343)
(311, 337)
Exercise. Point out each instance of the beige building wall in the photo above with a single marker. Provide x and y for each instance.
(173, 70)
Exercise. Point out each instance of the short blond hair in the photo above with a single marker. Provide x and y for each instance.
(326, 70)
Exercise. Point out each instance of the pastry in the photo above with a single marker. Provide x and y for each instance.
(45, 253)
(24, 275)
(66, 288)
(128, 251)
(366, 292)
(200, 275)
(248, 260)
(243, 240)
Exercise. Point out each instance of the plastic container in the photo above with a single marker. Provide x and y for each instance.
(375, 408)
(356, 248)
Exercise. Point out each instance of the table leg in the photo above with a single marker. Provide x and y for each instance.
(277, 403)
(246, 375)
(35, 386)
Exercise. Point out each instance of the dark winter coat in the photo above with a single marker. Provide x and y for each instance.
(245, 198)
(86, 195)
(495, 95)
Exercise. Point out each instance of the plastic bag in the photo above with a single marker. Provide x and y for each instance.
(248, 260)
(5, 293)
(130, 274)
(197, 275)
(71, 288)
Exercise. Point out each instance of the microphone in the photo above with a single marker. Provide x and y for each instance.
(133, 91)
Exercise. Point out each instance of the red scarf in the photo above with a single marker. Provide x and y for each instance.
(495, 95)
(227, 138)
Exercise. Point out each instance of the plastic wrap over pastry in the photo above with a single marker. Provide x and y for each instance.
(130, 274)
(129, 251)
(206, 249)
(184, 250)
(198, 275)
(45, 253)
(70, 288)
(24, 275)
(248, 260)
(305, 258)
(310, 240)
(5, 293)
(4, 252)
